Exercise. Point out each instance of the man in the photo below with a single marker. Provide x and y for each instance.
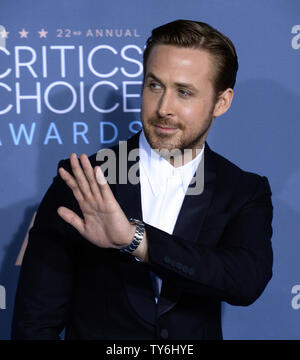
(148, 260)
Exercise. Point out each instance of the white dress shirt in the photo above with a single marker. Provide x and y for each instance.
(163, 188)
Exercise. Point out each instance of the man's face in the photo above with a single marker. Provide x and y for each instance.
(178, 97)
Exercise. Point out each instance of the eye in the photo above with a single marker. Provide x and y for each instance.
(154, 86)
(184, 92)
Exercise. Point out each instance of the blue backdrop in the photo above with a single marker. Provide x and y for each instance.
(70, 78)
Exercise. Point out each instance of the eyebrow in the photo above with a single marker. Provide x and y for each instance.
(178, 84)
(151, 75)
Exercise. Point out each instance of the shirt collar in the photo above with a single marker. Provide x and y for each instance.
(158, 170)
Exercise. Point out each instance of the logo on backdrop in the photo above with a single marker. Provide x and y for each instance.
(3, 36)
(38, 77)
(68, 33)
(296, 39)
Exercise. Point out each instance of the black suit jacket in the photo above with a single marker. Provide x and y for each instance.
(220, 250)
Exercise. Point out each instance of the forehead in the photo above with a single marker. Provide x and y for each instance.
(189, 64)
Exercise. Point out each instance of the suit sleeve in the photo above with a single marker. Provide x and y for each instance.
(236, 270)
(45, 282)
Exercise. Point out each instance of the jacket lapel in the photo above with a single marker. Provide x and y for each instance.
(189, 222)
(194, 207)
(135, 274)
(137, 280)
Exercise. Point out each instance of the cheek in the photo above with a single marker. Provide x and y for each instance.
(147, 104)
(197, 112)
(189, 114)
(194, 117)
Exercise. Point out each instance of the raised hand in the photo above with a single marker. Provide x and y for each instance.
(104, 222)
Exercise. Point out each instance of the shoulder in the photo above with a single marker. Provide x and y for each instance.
(241, 180)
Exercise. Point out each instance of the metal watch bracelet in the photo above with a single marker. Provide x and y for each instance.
(137, 238)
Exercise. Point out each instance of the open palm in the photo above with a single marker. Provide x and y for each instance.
(104, 222)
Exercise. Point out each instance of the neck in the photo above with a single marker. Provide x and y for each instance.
(178, 157)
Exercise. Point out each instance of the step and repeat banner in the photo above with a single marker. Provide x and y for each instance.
(70, 81)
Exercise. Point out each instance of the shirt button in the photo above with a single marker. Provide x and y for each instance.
(172, 262)
(178, 265)
(164, 333)
(185, 269)
(167, 260)
(191, 271)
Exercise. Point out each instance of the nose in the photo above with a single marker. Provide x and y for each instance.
(165, 105)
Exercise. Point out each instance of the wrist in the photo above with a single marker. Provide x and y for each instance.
(141, 251)
(137, 237)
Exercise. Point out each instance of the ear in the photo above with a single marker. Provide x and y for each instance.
(223, 103)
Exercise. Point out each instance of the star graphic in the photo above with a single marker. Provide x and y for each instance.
(23, 33)
(4, 34)
(43, 33)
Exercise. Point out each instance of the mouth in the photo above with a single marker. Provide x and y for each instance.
(162, 129)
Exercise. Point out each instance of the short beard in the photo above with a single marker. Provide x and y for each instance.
(157, 143)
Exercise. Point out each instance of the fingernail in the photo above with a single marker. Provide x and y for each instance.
(100, 177)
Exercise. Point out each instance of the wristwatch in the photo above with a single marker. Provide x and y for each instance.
(137, 238)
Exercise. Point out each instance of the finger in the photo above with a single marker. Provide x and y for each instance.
(71, 218)
(80, 176)
(71, 182)
(90, 175)
(103, 184)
